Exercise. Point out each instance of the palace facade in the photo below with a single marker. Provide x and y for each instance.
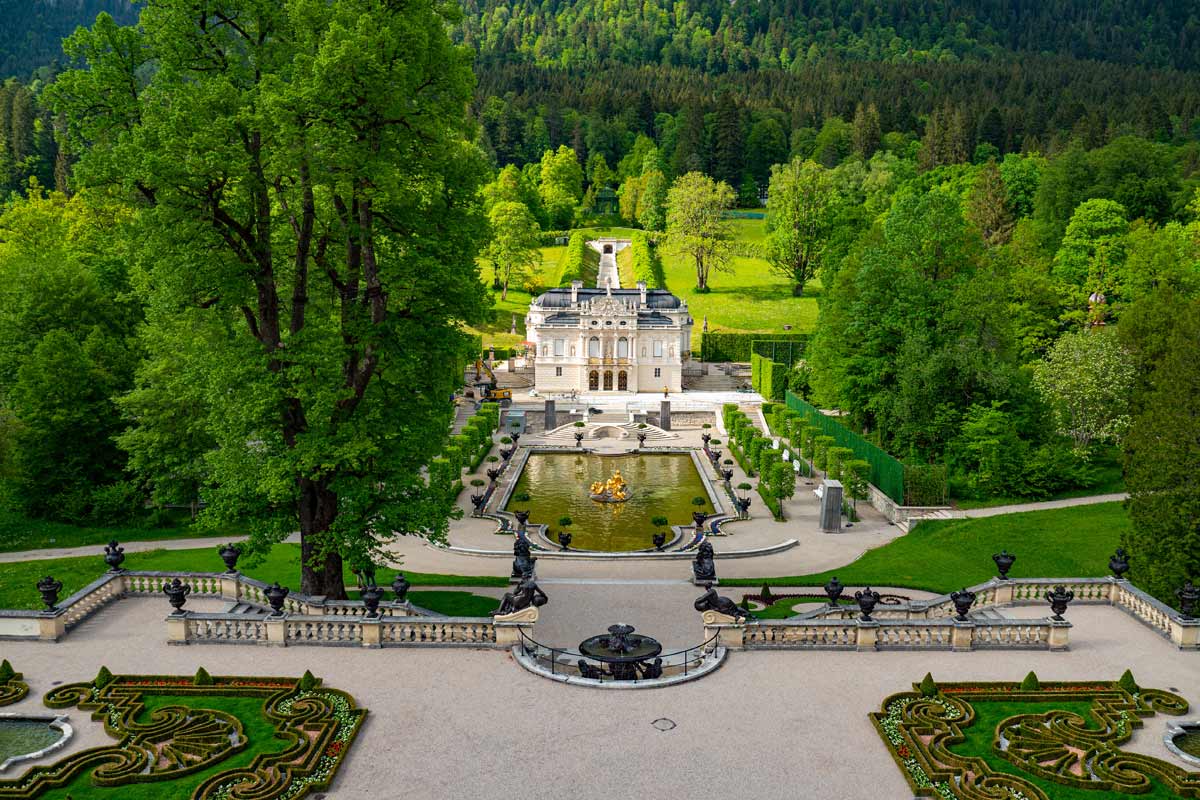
(608, 340)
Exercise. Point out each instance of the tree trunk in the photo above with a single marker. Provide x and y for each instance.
(318, 508)
(798, 290)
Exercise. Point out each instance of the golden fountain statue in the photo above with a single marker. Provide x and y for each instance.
(613, 490)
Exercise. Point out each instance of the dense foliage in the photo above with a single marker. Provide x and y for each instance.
(33, 30)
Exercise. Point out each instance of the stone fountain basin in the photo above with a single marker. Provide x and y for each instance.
(28, 737)
(1177, 734)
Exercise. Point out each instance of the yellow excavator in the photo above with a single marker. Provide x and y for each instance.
(488, 391)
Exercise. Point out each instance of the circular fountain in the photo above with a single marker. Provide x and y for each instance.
(624, 651)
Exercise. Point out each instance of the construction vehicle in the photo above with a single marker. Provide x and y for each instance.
(486, 388)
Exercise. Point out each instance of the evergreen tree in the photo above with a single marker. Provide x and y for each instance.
(987, 205)
(689, 144)
(867, 134)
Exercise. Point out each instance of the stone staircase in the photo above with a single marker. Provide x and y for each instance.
(713, 382)
(598, 429)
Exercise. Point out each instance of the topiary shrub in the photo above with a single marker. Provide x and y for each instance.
(766, 595)
(493, 459)
(929, 687)
(505, 440)
(521, 497)
(478, 481)
(714, 441)
(1031, 683)
(308, 682)
(7, 673)
(103, 678)
(579, 424)
(1128, 683)
(202, 678)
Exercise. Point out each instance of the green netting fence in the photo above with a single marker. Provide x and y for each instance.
(887, 473)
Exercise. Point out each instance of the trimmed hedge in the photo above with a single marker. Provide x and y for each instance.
(768, 378)
(318, 733)
(727, 346)
(647, 266)
(886, 472)
(573, 262)
(785, 351)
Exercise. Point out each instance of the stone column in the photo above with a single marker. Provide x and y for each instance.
(551, 417)
(664, 415)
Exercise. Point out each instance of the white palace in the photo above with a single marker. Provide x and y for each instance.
(608, 340)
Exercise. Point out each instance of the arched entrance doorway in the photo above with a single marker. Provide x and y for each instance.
(608, 380)
(623, 381)
(593, 381)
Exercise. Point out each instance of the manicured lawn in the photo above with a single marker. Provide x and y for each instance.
(750, 298)
(944, 555)
(496, 331)
(991, 714)
(21, 533)
(455, 604)
(282, 564)
(260, 733)
(782, 609)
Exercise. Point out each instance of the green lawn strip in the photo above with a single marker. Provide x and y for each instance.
(22, 533)
(625, 268)
(945, 555)
(282, 564)
(259, 730)
(454, 604)
(782, 609)
(990, 714)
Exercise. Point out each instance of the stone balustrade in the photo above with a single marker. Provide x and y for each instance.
(233, 587)
(997, 593)
(887, 634)
(296, 630)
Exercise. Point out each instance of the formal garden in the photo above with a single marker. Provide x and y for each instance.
(191, 737)
(1030, 739)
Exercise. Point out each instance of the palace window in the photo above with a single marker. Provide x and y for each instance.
(560, 347)
(622, 348)
(658, 348)
(658, 372)
(594, 347)
(558, 372)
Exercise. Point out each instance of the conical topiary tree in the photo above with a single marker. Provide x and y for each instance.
(929, 687)
(1031, 683)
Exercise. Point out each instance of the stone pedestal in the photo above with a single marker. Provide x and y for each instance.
(551, 416)
(867, 635)
(961, 636)
(372, 633)
(177, 628)
(1058, 634)
(831, 506)
(230, 587)
(1185, 633)
(276, 634)
(51, 626)
(508, 627)
(1004, 592)
(664, 415)
(730, 631)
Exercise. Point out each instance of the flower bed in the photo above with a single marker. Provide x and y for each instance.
(1059, 741)
(202, 730)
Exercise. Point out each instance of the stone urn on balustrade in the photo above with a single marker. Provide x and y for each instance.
(867, 600)
(963, 600)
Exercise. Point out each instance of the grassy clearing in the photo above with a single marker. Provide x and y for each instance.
(454, 604)
(944, 555)
(282, 564)
(496, 330)
(22, 533)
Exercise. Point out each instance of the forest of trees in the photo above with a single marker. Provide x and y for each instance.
(1003, 219)
(31, 31)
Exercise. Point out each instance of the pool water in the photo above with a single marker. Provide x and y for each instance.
(20, 737)
(661, 484)
(1189, 742)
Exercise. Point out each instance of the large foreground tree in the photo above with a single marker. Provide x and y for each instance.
(309, 216)
(1162, 450)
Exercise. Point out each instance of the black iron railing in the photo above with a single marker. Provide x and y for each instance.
(562, 661)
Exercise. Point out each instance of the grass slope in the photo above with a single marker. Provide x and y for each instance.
(22, 533)
(282, 564)
(945, 555)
